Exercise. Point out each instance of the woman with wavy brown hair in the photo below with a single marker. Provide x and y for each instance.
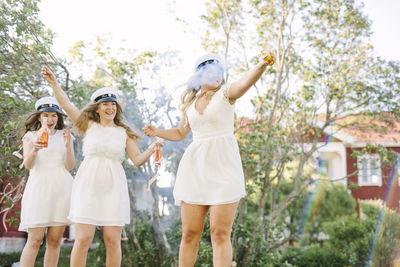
(46, 199)
(100, 191)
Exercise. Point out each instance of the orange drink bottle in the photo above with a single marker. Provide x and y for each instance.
(44, 133)
(269, 59)
(158, 155)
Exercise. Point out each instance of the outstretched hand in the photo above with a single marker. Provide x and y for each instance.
(267, 57)
(48, 75)
(150, 130)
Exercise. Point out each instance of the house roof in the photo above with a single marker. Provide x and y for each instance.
(357, 130)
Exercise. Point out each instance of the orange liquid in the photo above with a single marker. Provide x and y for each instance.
(45, 139)
(158, 156)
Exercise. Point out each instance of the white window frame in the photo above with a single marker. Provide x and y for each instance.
(366, 169)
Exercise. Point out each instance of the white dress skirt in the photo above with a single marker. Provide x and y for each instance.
(210, 171)
(100, 191)
(46, 197)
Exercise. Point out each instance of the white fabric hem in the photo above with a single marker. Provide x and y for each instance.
(178, 201)
(97, 223)
(25, 228)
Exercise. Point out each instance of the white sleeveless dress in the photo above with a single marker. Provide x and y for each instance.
(210, 171)
(100, 190)
(46, 197)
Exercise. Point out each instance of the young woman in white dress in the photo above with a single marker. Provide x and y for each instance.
(46, 198)
(100, 191)
(210, 176)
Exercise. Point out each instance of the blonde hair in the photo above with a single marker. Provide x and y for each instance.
(89, 114)
(190, 95)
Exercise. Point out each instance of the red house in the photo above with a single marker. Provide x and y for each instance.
(11, 240)
(367, 176)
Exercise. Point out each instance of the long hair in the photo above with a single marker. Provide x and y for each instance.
(190, 95)
(32, 123)
(89, 114)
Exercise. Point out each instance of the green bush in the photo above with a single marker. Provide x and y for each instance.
(351, 237)
(371, 240)
(8, 259)
(314, 256)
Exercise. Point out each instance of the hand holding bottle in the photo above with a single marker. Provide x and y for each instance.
(43, 134)
(48, 75)
(37, 143)
(268, 57)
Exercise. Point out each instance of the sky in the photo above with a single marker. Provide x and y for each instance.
(151, 24)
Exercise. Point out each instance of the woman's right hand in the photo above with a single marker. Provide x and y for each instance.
(37, 144)
(48, 75)
(150, 130)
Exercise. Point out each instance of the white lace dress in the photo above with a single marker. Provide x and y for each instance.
(100, 190)
(46, 197)
(210, 171)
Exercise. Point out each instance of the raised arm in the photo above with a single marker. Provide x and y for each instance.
(241, 86)
(60, 95)
(174, 134)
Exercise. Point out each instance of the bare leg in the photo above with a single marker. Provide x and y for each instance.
(53, 242)
(193, 217)
(221, 221)
(35, 238)
(84, 234)
(112, 240)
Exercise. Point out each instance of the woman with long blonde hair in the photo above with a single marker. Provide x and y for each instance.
(46, 198)
(210, 176)
(100, 191)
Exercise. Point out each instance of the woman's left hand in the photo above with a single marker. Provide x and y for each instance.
(267, 57)
(155, 143)
(67, 138)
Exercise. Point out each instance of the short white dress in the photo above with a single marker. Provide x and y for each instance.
(100, 190)
(46, 197)
(210, 171)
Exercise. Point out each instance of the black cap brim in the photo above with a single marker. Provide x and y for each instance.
(107, 99)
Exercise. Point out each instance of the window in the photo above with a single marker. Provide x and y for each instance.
(369, 170)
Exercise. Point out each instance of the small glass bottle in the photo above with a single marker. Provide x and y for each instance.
(269, 59)
(43, 133)
(158, 155)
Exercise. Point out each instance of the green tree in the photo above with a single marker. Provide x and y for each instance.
(25, 47)
(325, 69)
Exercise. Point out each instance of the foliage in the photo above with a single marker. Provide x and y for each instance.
(372, 240)
(8, 259)
(325, 72)
(25, 47)
(314, 256)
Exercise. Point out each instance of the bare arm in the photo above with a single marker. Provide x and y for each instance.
(174, 134)
(60, 95)
(31, 147)
(241, 86)
(69, 161)
(134, 153)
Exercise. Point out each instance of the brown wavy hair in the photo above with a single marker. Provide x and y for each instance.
(32, 123)
(89, 114)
